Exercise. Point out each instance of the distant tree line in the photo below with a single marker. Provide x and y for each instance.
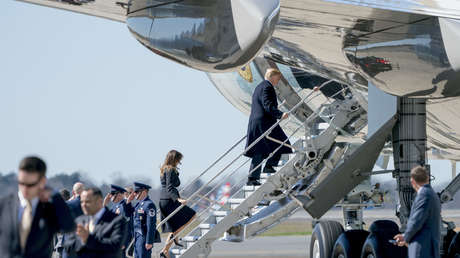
(8, 184)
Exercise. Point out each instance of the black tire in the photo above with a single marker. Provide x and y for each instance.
(377, 244)
(454, 247)
(349, 244)
(323, 238)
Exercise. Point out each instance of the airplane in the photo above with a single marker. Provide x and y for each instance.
(363, 79)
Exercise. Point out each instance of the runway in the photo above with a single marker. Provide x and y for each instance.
(273, 247)
(295, 246)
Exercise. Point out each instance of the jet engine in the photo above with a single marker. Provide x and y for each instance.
(209, 35)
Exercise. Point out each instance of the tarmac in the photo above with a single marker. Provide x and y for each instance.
(294, 246)
(272, 247)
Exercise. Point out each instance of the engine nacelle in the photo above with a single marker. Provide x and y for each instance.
(209, 35)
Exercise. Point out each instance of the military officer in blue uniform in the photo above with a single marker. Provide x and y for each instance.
(120, 205)
(145, 216)
(123, 207)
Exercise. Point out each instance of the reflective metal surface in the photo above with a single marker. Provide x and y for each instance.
(439, 8)
(109, 9)
(401, 53)
(209, 35)
(408, 60)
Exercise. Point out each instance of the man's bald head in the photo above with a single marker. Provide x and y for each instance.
(78, 188)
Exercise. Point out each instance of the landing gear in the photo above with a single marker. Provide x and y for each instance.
(409, 148)
(349, 244)
(377, 244)
(454, 247)
(323, 238)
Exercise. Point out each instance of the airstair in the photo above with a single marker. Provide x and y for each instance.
(252, 210)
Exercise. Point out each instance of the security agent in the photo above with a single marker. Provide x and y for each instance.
(100, 232)
(423, 229)
(30, 217)
(145, 216)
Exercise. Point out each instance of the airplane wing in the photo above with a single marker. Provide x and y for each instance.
(439, 8)
(108, 9)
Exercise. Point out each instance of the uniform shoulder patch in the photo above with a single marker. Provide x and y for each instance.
(152, 212)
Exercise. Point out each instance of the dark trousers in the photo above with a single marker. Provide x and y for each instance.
(257, 159)
(139, 247)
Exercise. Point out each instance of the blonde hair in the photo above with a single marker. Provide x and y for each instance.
(171, 161)
(271, 72)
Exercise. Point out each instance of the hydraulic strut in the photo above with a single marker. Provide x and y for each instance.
(409, 148)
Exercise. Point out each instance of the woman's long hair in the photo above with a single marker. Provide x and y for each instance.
(171, 161)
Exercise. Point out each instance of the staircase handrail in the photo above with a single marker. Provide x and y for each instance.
(267, 132)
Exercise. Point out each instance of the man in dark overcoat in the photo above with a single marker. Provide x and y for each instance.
(264, 114)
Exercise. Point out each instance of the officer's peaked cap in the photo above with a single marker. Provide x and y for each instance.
(116, 189)
(140, 186)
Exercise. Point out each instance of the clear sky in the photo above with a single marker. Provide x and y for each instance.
(81, 92)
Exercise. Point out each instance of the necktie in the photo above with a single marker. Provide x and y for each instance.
(91, 225)
(26, 224)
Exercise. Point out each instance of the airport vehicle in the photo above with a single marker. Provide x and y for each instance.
(386, 72)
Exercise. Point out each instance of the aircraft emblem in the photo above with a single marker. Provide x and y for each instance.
(246, 73)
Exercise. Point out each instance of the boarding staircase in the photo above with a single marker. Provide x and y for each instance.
(253, 209)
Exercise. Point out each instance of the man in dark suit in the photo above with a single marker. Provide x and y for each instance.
(264, 114)
(423, 232)
(75, 209)
(74, 202)
(30, 218)
(100, 232)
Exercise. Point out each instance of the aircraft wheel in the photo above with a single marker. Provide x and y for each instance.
(323, 238)
(349, 244)
(454, 247)
(377, 245)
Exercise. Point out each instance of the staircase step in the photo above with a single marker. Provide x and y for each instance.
(205, 227)
(265, 175)
(235, 202)
(189, 240)
(177, 251)
(250, 188)
(220, 213)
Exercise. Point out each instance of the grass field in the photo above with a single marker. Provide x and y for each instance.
(294, 227)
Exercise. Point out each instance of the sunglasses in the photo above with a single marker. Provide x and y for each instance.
(29, 185)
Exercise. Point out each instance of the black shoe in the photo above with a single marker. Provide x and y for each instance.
(177, 243)
(163, 255)
(269, 170)
(253, 182)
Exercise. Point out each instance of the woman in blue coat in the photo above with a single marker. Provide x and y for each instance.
(264, 114)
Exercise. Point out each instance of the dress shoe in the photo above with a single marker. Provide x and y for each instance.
(269, 170)
(177, 243)
(253, 182)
